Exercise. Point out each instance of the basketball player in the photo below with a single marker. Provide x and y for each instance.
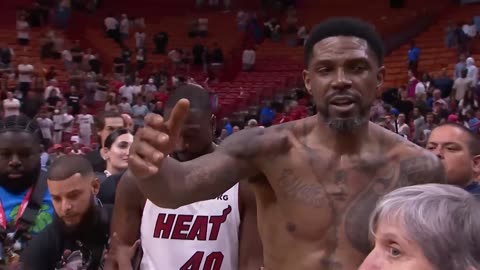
(322, 175)
(216, 234)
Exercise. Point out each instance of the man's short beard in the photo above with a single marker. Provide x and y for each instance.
(20, 184)
(346, 125)
(86, 220)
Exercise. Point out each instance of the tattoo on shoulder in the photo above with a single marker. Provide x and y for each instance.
(421, 169)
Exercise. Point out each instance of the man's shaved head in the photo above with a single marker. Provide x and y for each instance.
(66, 166)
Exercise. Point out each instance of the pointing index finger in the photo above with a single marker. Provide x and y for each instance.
(177, 117)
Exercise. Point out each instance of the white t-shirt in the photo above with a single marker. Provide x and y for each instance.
(23, 30)
(45, 125)
(85, 122)
(68, 118)
(128, 92)
(461, 85)
(420, 89)
(124, 26)
(11, 107)
(125, 108)
(140, 39)
(58, 121)
(25, 77)
(248, 57)
(111, 23)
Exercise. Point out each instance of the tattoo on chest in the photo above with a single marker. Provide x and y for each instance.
(298, 191)
(357, 216)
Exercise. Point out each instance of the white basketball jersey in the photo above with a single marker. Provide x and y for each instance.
(199, 236)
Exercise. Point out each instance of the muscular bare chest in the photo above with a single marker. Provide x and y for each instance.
(327, 201)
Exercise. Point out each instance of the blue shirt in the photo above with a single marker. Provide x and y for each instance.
(413, 54)
(229, 128)
(474, 189)
(11, 203)
(266, 115)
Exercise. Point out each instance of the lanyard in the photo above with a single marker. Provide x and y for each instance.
(23, 206)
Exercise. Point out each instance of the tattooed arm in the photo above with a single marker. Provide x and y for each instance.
(181, 183)
(421, 168)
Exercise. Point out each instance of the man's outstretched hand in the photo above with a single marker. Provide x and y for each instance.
(154, 142)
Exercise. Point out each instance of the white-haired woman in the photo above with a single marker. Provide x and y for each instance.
(425, 227)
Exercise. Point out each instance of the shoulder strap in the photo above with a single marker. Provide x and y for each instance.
(34, 205)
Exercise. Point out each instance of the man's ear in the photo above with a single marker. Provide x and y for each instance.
(380, 77)
(476, 165)
(306, 81)
(95, 186)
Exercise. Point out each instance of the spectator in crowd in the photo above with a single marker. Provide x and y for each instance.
(223, 135)
(73, 99)
(128, 91)
(85, 125)
(460, 66)
(124, 106)
(470, 30)
(429, 226)
(272, 29)
(445, 84)
(140, 38)
(52, 87)
(25, 73)
(6, 56)
(141, 59)
(110, 104)
(450, 35)
(124, 27)
(203, 27)
(139, 111)
(11, 105)
(459, 150)
(44, 158)
(266, 115)
(302, 35)
(111, 27)
(75, 142)
(160, 40)
(23, 31)
(414, 86)
(22, 177)
(425, 130)
(58, 126)
(403, 128)
(248, 59)
(467, 103)
(79, 235)
(116, 150)
(105, 123)
(461, 86)
(471, 121)
(472, 73)
(45, 125)
(413, 57)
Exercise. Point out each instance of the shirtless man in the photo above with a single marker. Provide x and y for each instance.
(318, 178)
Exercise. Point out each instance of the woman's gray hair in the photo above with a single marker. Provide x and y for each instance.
(442, 219)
